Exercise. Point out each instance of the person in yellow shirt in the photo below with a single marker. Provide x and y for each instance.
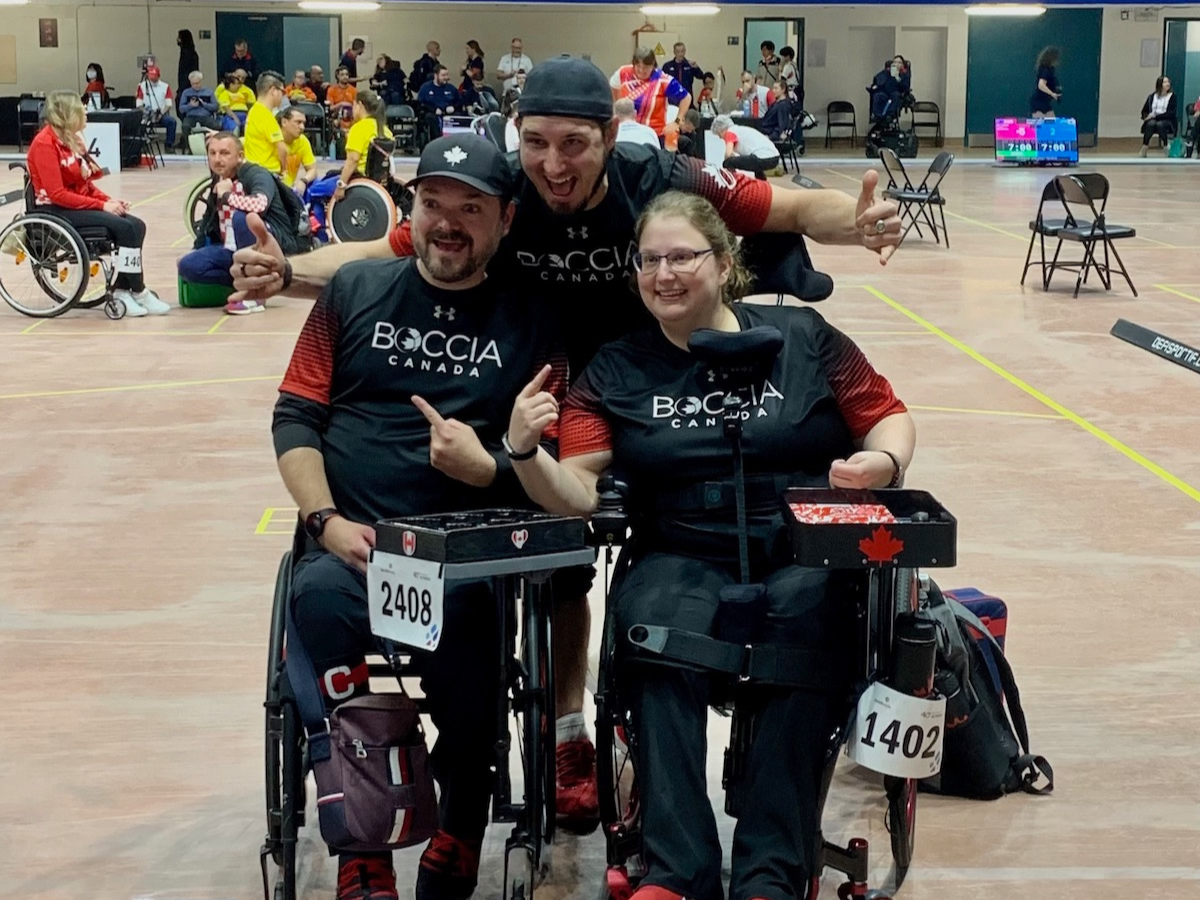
(234, 99)
(369, 123)
(264, 141)
(301, 168)
(340, 98)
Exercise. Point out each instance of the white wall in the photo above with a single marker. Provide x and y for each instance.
(114, 32)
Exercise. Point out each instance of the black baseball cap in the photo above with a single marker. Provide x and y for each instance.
(468, 158)
(567, 86)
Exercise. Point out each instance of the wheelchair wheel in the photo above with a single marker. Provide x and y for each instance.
(902, 822)
(537, 720)
(50, 265)
(196, 206)
(114, 308)
(366, 212)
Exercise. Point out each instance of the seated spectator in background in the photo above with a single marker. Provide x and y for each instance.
(778, 118)
(650, 89)
(340, 98)
(438, 98)
(63, 176)
(349, 60)
(514, 63)
(769, 65)
(242, 59)
(95, 95)
(239, 188)
(300, 170)
(512, 137)
(689, 139)
(629, 129)
(790, 75)
(746, 148)
(264, 141)
(752, 98)
(683, 69)
(890, 88)
(317, 83)
(299, 91)
(198, 106)
(370, 122)
(1160, 116)
(477, 96)
(155, 98)
(234, 100)
(709, 101)
(424, 68)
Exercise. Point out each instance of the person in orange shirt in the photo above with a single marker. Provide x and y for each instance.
(299, 91)
(341, 97)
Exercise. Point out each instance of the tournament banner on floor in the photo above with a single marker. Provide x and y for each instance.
(1158, 344)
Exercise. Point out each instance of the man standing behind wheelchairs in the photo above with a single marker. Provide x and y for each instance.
(397, 396)
(240, 187)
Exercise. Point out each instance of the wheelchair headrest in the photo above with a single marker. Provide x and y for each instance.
(780, 264)
(739, 358)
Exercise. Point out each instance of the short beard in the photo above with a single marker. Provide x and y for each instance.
(451, 272)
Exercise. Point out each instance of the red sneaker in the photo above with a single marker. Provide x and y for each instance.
(366, 877)
(655, 892)
(577, 799)
(449, 868)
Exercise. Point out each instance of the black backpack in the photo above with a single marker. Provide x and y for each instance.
(984, 754)
(297, 214)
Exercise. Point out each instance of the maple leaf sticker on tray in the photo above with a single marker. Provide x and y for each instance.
(882, 546)
(841, 513)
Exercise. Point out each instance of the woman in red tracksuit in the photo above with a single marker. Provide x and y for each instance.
(63, 176)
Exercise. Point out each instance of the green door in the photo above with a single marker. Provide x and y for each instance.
(1002, 69)
(1181, 61)
(264, 33)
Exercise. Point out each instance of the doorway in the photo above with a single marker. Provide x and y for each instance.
(279, 42)
(782, 33)
(1181, 61)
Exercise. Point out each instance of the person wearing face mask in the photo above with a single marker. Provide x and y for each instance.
(95, 95)
(64, 184)
(822, 417)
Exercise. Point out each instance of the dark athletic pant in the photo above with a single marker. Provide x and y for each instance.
(461, 679)
(1161, 127)
(775, 836)
(126, 231)
(756, 164)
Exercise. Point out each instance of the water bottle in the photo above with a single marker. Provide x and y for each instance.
(914, 649)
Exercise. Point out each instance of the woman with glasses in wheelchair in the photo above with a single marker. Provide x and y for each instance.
(649, 411)
(63, 176)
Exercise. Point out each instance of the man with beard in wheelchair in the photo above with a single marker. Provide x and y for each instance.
(647, 409)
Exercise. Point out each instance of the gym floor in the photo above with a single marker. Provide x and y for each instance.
(144, 519)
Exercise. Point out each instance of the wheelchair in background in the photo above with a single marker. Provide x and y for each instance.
(509, 548)
(55, 266)
(881, 589)
(888, 129)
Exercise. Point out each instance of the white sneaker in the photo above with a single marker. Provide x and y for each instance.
(154, 306)
(132, 307)
(1145, 149)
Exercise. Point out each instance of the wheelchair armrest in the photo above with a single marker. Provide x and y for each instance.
(18, 165)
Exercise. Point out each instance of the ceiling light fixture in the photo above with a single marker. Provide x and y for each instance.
(336, 6)
(681, 9)
(1013, 10)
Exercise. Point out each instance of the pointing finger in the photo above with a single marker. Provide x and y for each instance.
(432, 415)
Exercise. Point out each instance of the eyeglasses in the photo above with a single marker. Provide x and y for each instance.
(681, 262)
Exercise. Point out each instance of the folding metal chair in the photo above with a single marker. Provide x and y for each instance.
(932, 114)
(836, 117)
(914, 201)
(791, 141)
(1083, 191)
(1041, 228)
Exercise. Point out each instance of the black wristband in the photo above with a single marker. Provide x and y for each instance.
(287, 274)
(897, 469)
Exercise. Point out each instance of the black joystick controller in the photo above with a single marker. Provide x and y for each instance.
(610, 524)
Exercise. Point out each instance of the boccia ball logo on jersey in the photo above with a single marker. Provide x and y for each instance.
(708, 411)
(435, 350)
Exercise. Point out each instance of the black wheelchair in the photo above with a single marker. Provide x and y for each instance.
(889, 128)
(58, 266)
(882, 594)
(471, 545)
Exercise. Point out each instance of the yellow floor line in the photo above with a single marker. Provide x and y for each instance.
(217, 324)
(1171, 290)
(165, 193)
(1094, 430)
(265, 520)
(181, 241)
(154, 385)
(29, 328)
(1142, 237)
(1023, 238)
(986, 412)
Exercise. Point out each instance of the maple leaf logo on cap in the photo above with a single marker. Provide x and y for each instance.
(882, 546)
(455, 155)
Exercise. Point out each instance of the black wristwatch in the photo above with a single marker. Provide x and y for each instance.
(314, 523)
(513, 454)
(897, 469)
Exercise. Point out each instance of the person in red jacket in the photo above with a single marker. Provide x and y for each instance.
(63, 176)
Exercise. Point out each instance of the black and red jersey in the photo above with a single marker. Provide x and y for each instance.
(381, 333)
(583, 263)
(656, 408)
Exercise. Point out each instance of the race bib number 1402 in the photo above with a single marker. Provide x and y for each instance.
(405, 598)
(897, 734)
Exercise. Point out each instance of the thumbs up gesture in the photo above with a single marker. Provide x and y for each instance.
(868, 215)
(455, 448)
(534, 412)
(258, 271)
